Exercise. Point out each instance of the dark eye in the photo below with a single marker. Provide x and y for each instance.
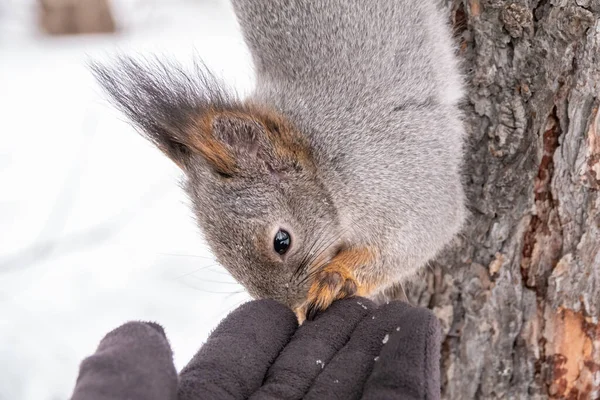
(282, 241)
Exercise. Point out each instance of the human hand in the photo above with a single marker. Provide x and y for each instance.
(353, 350)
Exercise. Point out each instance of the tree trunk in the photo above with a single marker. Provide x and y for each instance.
(519, 293)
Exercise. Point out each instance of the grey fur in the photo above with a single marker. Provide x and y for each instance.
(374, 88)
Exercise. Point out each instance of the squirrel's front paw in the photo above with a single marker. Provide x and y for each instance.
(330, 284)
(337, 280)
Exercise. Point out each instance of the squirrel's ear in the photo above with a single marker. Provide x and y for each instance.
(239, 131)
(165, 102)
(249, 134)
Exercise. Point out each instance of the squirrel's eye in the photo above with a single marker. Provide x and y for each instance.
(282, 241)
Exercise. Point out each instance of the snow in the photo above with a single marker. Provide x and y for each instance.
(94, 230)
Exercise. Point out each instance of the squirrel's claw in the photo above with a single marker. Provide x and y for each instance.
(328, 296)
(330, 284)
(337, 280)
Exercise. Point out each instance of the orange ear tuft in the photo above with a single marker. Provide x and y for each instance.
(287, 142)
(203, 141)
(217, 133)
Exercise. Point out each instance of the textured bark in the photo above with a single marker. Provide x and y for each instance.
(519, 292)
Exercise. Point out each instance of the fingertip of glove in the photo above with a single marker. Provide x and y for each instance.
(267, 307)
(405, 310)
(157, 327)
(413, 317)
(134, 331)
(264, 315)
(349, 308)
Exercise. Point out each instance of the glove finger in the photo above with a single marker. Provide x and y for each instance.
(312, 347)
(233, 362)
(346, 374)
(132, 362)
(409, 363)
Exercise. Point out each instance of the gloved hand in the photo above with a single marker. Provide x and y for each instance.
(353, 350)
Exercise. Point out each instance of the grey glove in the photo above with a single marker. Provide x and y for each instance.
(353, 350)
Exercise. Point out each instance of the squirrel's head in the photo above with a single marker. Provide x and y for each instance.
(249, 173)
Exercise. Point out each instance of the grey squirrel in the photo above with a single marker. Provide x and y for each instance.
(341, 174)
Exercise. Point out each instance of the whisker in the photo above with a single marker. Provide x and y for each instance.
(318, 247)
(233, 294)
(315, 269)
(310, 251)
(312, 257)
(206, 267)
(219, 272)
(222, 314)
(308, 254)
(430, 267)
(325, 245)
(212, 291)
(212, 281)
(323, 248)
(186, 255)
(311, 274)
(403, 292)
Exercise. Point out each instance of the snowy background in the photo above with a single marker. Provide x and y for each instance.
(94, 230)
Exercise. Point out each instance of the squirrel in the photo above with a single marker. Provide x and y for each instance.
(341, 173)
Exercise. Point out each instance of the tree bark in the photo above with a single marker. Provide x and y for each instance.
(519, 291)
